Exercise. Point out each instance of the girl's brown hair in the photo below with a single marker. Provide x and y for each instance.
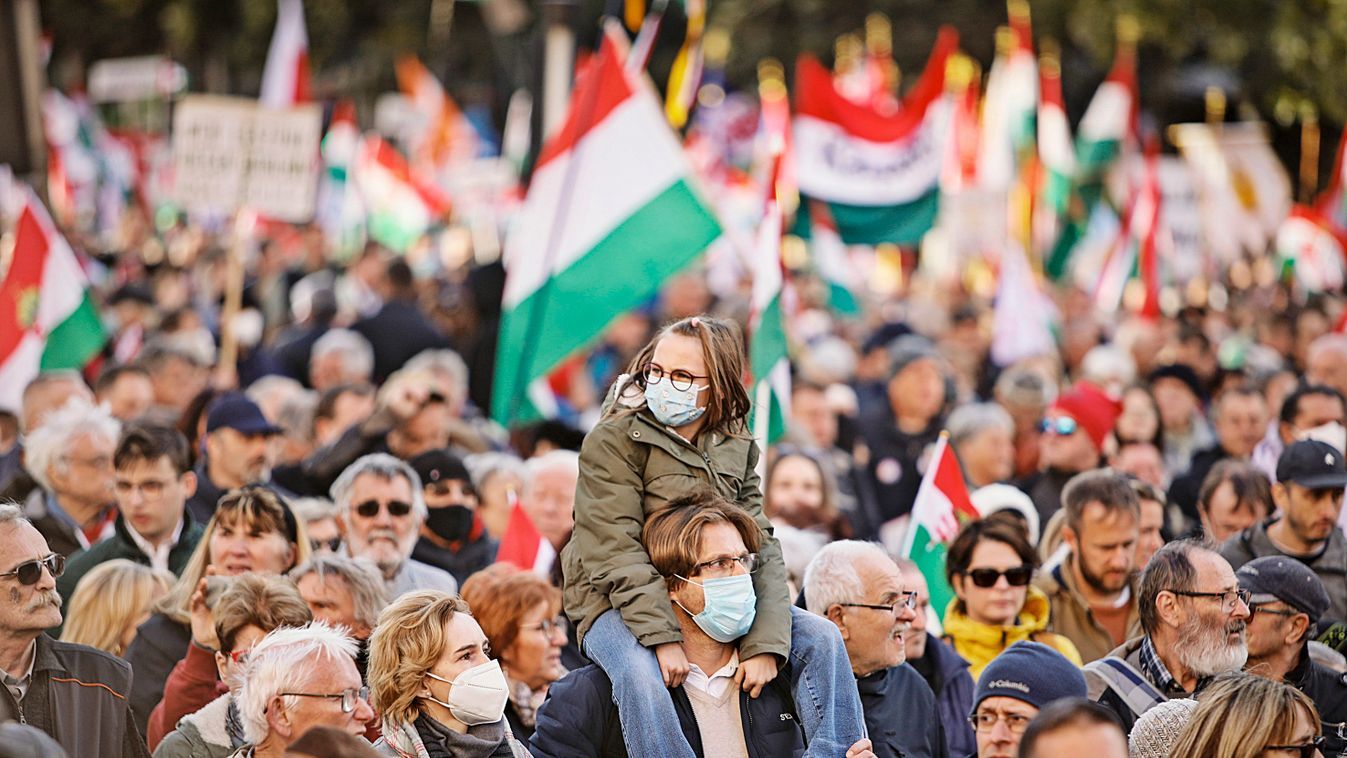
(1263, 709)
(723, 351)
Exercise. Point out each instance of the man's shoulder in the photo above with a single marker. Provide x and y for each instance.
(909, 683)
(84, 662)
(427, 577)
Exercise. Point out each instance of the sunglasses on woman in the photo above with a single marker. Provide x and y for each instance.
(1062, 426)
(29, 572)
(987, 577)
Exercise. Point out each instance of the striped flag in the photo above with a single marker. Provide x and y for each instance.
(1110, 120)
(1308, 243)
(879, 174)
(400, 207)
(768, 359)
(48, 320)
(610, 215)
(285, 80)
(832, 262)
(1008, 107)
(340, 211)
(522, 545)
(941, 507)
(448, 136)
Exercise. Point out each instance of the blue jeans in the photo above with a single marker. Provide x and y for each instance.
(824, 688)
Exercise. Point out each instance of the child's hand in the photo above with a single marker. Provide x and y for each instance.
(673, 663)
(754, 673)
(860, 750)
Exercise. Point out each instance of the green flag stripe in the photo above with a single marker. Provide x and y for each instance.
(903, 224)
(75, 341)
(929, 555)
(622, 271)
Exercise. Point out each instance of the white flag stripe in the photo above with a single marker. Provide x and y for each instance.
(605, 190)
(834, 164)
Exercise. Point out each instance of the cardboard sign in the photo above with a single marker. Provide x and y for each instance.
(230, 153)
(130, 80)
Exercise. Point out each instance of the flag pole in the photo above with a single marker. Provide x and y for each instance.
(1309, 152)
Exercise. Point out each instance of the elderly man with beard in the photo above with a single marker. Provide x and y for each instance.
(1093, 601)
(381, 507)
(1193, 614)
(72, 692)
(1308, 493)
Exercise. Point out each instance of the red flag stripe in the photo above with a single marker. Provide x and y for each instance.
(25, 276)
(600, 88)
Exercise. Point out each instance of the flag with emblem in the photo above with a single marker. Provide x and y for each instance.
(941, 507)
(47, 319)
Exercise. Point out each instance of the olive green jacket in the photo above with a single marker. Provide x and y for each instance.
(630, 466)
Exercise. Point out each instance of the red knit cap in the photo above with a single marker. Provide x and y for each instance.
(1092, 408)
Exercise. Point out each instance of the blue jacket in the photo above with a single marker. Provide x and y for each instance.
(901, 714)
(948, 676)
(579, 720)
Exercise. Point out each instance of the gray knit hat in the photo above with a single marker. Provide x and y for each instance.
(1158, 729)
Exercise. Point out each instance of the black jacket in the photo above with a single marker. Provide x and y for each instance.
(473, 556)
(159, 644)
(1183, 492)
(1045, 489)
(120, 545)
(579, 720)
(891, 474)
(1328, 690)
(946, 672)
(1330, 565)
(901, 714)
(78, 696)
(201, 505)
(398, 332)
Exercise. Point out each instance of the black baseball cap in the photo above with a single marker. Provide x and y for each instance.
(1312, 464)
(1277, 577)
(235, 411)
(440, 466)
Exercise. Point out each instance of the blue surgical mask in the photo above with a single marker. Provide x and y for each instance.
(673, 407)
(731, 606)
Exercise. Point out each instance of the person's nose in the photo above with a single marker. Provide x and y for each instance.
(46, 580)
(382, 519)
(1241, 610)
(1000, 731)
(364, 712)
(907, 614)
(1002, 583)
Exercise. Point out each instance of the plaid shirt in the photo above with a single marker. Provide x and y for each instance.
(1155, 671)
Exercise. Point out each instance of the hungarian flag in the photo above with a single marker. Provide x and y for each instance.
(609, 216)
(1332, 202)
(1056, 156)
(879, 173)
(48, 320)
(1110, 120)
(832, 261)
(400, 207)
(340, 211)
(523, 545)
(1008, 107)
(768, 359)
(1315, 252)
(1136, 250)
(285, 80)
(942, 506)
(448, 136)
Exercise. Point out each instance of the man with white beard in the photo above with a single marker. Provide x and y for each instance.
(1193, 615)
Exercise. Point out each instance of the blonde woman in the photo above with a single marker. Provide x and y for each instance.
(432, 681)
(1274, 720)
(111, 601)
(252, 530)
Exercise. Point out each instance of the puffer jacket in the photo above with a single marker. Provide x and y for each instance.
(979, 643)
(630, 466)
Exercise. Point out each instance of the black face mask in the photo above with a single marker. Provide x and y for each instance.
(452, 522)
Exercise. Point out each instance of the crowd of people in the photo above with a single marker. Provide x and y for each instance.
(297, 554)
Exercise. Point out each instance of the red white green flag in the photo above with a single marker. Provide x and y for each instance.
(47, 319)
(610, 214)
(878, 172)
(941, 507)
(401, 206)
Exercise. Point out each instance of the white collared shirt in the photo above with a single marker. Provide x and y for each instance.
(158, 554)
(18, 685)
(715, 684)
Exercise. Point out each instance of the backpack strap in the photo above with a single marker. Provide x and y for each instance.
(1127, 682)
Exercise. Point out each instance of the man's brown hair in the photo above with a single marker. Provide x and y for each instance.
(673, 534)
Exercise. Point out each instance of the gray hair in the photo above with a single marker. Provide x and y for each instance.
(362, 577)
(311, 509)
(11, 513)
(483, 466)
(1170, 569)
(444, 362)
(47, 444)
(831, 577)
(383, 466)
(968, 421)
(1104, 365)
(357, 352)
(293, 405)
(280, 662)
(553, 460)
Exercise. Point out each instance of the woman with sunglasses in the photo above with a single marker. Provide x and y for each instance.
(675, 422)
(1247, 716)
(520, 613)
(252, 530)
(989, 566)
